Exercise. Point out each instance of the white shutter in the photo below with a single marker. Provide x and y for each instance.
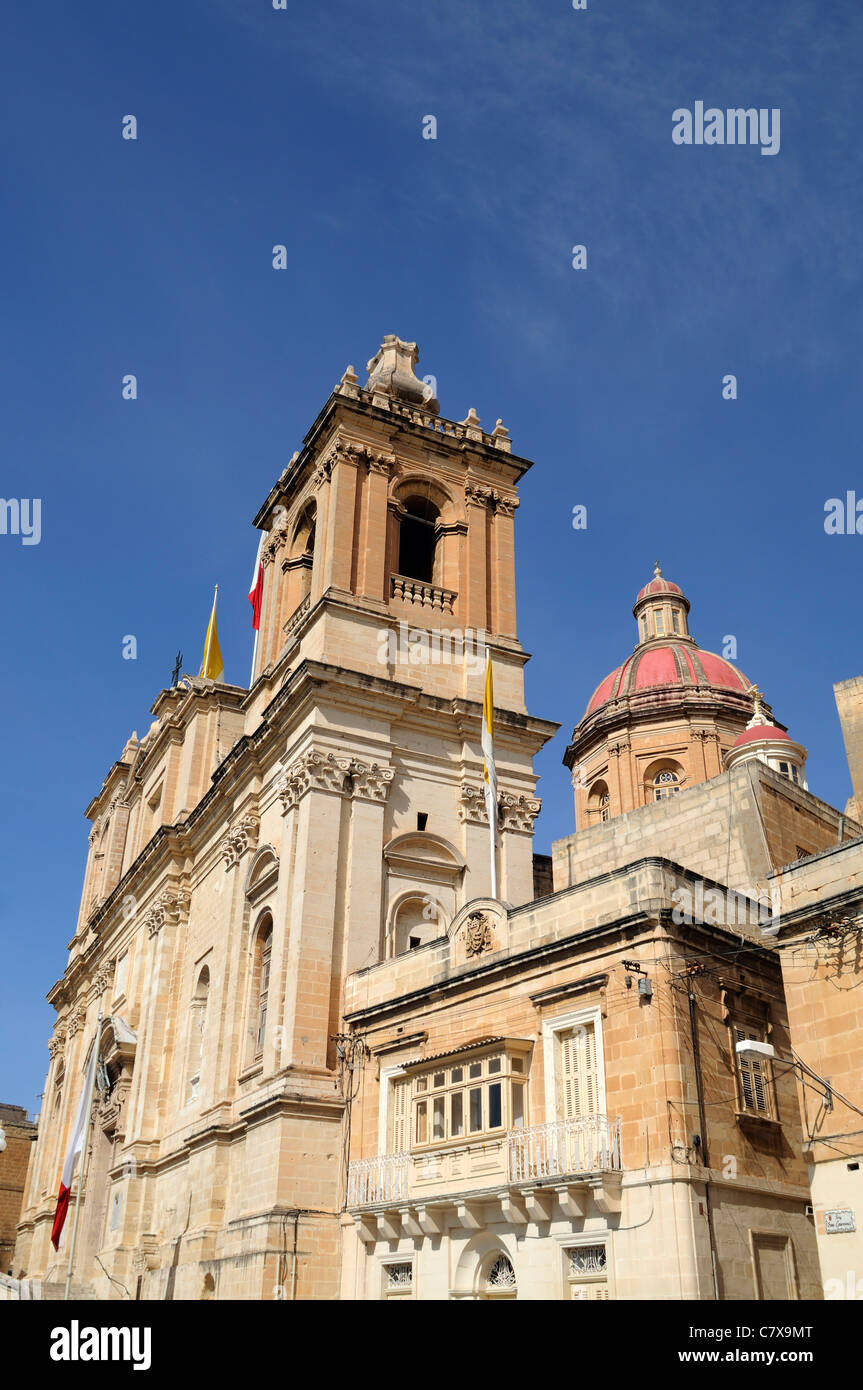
(580, 1083)
(399, 1128)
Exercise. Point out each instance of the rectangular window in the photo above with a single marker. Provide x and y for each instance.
(456, 1119)
(518, 1107)
(752, 1076)
(579, 1091)
(476, 1110)
(675, 618)
(399, 1135)
(421, 1122)
(494, 1106)
(587, 1272)
(398, 1280)
(438, 1126)
(658, 622)
(120, 976)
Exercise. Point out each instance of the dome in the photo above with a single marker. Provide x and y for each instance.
(659, 586)
(673, 665)
(760, 732)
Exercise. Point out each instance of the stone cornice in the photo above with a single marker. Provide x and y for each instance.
(509, 466)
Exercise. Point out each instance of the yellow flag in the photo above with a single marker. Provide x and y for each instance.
(212, 666)
(489, 771)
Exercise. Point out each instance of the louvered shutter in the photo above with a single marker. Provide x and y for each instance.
(587, 1064)
(569, 1073)
(400, 1116)
(753, 1079)
(578, 1069)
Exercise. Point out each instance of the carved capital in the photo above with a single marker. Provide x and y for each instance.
(100, 982)
(518, 812)
(313, 771)
(472, 806)
(490, 497)
(370, 781)
(57, 1044)
(171, 906)
(322, 473)
(241, 837)
(75, 1021)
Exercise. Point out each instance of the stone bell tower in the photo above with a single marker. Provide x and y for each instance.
(389, 567)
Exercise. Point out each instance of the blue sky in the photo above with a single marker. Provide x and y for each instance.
(303, 127)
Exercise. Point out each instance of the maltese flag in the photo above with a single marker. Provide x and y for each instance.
(74, 1150)
(256, 591)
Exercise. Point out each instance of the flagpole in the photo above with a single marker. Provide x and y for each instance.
(254, 657)
(210, 634)
(492, 816)
(84, 1146)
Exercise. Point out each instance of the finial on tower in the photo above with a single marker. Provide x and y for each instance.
(657, 572)
(391, 373)
(758, 716)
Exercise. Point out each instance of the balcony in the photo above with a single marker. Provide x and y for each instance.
(544, 1173)
(422, 595)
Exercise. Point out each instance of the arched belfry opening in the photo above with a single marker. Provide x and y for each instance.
(418, 539)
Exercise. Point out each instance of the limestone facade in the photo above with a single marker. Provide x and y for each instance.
(256, 847)
(332, 1065)
(603, 1143)
(20, 1133)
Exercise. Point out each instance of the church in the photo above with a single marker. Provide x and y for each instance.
(345, 1058)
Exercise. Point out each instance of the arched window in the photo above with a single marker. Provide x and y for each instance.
(263, 949)
(598, 802)
(303, 551)
(418, 540)
(197, 1028)
(666, 783)
(58, 1089)
(417, 921)
(498, 1277)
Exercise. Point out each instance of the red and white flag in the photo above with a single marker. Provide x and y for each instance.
(256, 592)
(75, 1145)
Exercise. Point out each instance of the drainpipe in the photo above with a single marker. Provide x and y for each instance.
(841, 828)
(697, 1060)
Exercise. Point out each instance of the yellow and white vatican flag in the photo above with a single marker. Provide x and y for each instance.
(489, 771)
(212, 666)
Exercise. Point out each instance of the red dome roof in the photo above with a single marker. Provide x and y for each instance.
(659, 586)
(673, 664)
(758, 733)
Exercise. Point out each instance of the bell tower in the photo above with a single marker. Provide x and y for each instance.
(391, 540)
(389, 567)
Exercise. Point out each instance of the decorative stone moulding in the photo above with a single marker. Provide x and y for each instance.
(171, 906)
(477, 930)
(478, 934)
(100, 982)
(483, 496)
(317, 771)
(370, 781)
(518, 812)
(57, 1044)
(239, 839)
(75, 1021)
(471, 806)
